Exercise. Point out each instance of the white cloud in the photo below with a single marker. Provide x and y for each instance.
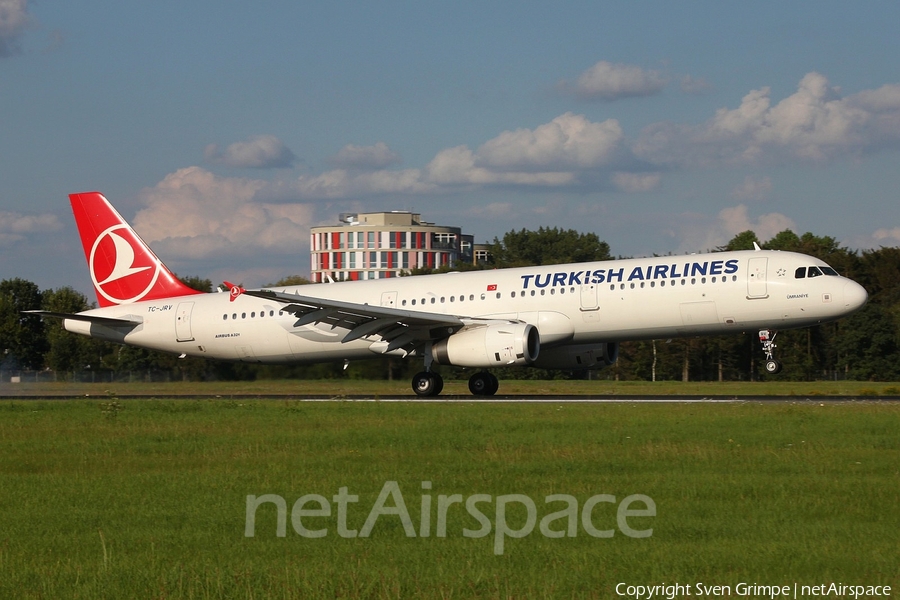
(494, 210)
(753, 189)
(814, 124)
(457, 166)
(14, 19)
(701, 232)
(695, 86)
(258, 152)
(567, 142)
(608, 81)
(378, 156)
(192, 213)
(888, 237)
(636, 182)
(15, 226)
(343, 184)
(12, 222)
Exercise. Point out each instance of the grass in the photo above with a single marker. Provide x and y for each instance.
(113, 498)
(339, 388)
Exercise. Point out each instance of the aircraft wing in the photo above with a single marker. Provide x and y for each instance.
(399, 328)
(108, 321)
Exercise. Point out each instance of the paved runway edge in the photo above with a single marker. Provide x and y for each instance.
(458, 398)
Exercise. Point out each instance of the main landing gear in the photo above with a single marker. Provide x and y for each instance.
(767, 339)
(483, 384)
(427, 382)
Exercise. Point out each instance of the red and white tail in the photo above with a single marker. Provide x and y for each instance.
(122, 266)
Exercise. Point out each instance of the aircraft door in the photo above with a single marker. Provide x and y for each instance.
(589, 297)
(389, 299)
(183, 322)
(756, 278)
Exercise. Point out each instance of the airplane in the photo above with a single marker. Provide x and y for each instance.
(568, 316)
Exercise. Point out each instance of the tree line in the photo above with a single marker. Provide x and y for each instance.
(864, 346)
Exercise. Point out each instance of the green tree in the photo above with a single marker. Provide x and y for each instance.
(742, 241)
(290, 280)
(197, 283)
(547, 246)
(68, 352)
(22, 339)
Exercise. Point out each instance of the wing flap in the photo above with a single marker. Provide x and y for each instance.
(400, 328)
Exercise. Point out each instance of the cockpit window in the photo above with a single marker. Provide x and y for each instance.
(803, 272)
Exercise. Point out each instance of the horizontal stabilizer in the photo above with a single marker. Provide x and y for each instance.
(108, 321)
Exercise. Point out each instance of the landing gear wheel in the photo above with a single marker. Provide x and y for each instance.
(427, 384)
(767, 339)
(483, 384)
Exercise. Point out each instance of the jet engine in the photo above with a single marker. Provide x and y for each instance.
(579, 356)
(492, 344)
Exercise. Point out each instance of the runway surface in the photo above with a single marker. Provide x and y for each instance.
(510, 399)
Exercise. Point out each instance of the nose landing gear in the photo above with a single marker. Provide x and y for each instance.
(427, 382)
(767, 339)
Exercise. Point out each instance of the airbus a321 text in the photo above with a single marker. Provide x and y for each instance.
(570, 316)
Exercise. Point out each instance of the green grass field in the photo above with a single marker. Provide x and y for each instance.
(338, 388)
(106, 498)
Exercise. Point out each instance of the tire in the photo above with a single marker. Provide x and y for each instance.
(483, 384)
(773, 367)
(427, 384)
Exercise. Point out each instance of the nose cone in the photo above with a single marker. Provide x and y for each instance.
(855, 296)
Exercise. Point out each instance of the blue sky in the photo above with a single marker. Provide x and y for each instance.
(224, 130)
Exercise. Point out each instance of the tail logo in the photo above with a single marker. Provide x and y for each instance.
(120, 274)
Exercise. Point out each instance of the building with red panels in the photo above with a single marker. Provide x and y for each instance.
(383, 244)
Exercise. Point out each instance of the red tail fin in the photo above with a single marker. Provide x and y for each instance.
(122, 266)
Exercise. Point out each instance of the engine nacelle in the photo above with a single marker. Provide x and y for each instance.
(494, 344)
(579, 357)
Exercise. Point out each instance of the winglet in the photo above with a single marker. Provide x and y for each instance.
(123, 267)
(756, 247)
(235, 290)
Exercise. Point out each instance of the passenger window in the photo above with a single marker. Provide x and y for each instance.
(224, 317)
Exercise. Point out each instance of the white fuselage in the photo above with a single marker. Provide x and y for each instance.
(582, 303)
